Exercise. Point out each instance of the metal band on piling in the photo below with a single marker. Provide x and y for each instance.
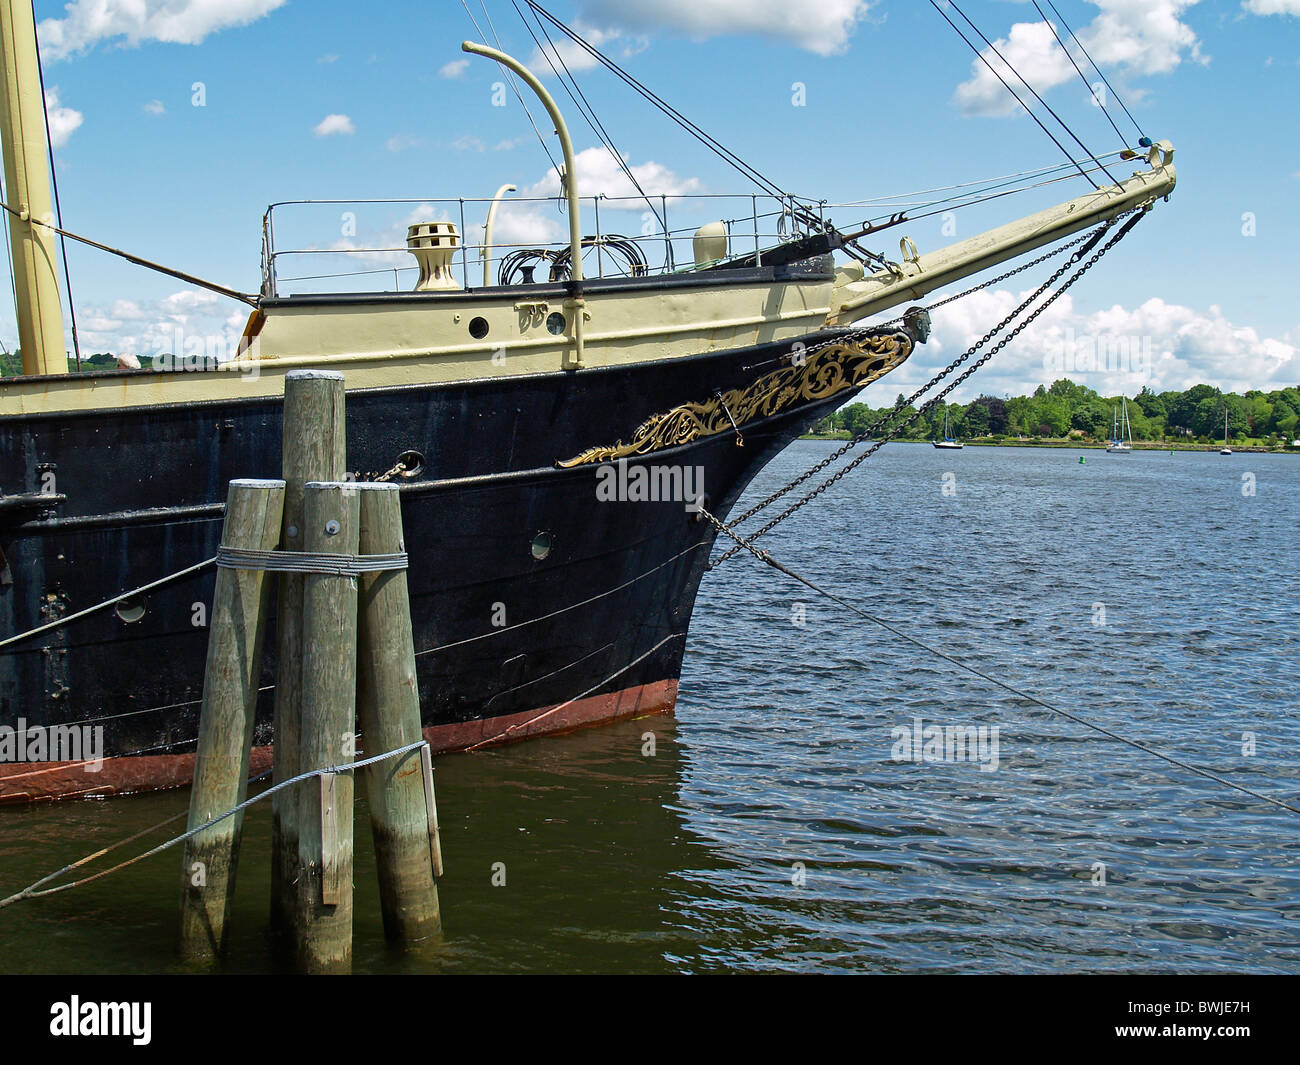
(309, 562)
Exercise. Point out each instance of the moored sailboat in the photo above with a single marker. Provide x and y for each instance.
(947, 443)
(1121, 433)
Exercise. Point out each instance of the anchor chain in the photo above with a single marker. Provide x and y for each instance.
(1072, 261)
(871, 430)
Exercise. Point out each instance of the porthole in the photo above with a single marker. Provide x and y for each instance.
(541, 545)
(555, 323)
(131, 610)
(478, 328)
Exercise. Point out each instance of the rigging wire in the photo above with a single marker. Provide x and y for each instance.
(234, 294)
(58, 209)
(897, 198)
(1105, 81)
(584, 107)
(1068, 56)
(714, 145)
(984, 195)
(883, 423)
(1092, 240)
(980, 55)
(510, 78)
(1087, 151)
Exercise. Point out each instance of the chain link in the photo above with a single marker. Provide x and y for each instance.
(1072, 261)
(871, 430)
(400, 468)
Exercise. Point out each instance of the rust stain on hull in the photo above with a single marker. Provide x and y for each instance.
(46, 781)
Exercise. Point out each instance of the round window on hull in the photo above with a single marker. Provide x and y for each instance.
(541, 545)
(131, 610)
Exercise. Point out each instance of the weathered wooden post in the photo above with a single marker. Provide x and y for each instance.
(323, 914)
(240, 613)
(313, 450)
(388, 711)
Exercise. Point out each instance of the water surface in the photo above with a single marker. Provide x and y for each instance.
(773, 830)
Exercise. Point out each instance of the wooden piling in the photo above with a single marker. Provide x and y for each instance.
(388, 712)
(312, 450)
(237, 628)
(323, 911)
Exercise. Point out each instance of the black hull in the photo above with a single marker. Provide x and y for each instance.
(507, 644)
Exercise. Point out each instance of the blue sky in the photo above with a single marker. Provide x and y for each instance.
(891, 101)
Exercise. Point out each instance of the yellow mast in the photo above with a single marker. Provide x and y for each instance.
(27, 185)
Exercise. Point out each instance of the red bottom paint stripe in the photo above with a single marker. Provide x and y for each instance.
(43, 781)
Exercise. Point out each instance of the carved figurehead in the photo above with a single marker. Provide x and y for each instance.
(916, 320)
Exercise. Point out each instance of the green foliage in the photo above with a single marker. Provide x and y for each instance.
(1064, 407)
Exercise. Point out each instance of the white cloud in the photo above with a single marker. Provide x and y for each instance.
(1133, 36)
(526, 224)
(188, 321)
(331, 58)
(600, 175)
(574, 56)
(1272, 7)
(399, 142)
(331, 125)
(454, 69)
(155, 107)
(820, 26)
(63, 120)
(1168, 346)
(87, 22)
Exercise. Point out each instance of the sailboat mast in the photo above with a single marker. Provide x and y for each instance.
(27, 186)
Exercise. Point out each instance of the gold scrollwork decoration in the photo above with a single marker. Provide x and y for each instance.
(836, 367)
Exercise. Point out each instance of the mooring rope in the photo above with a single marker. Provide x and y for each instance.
(31, 892)
(569, 702)
(240, 558)
(58, 622)
(766, 557)
(149, 264)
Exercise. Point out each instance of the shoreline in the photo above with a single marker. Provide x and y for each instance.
(1258, 449)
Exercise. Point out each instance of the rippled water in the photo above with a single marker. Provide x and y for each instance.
(773, 830)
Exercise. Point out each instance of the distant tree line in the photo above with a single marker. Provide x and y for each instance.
(11, 362)
(1065, 409)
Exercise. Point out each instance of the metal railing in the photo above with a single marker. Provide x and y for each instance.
(664, 227)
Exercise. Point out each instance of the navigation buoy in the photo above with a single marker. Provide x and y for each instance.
(1082, 460)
